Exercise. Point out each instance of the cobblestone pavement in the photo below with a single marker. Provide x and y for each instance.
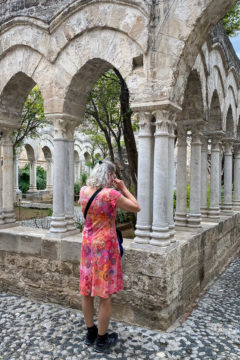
(33, 331)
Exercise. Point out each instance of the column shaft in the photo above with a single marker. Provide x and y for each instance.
(58, 223)
(171, 182)
(145, 179)
(69, 185)
(214, 209)
(204, 177)
(227, 207)
(194, 219)
(49, 175)
(160, 229)
(7, 177)
(236, 197)
(1, 186)
(181, 181)
(33, 176)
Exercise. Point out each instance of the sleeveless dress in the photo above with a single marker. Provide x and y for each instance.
(100, 264)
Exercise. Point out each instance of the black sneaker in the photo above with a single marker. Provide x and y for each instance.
(91, 337)
(102, 345)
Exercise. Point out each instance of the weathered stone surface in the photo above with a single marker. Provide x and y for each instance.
(158, 287)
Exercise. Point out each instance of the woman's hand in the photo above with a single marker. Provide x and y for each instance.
(119, 185)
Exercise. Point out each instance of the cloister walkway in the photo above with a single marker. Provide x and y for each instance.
(31, 330)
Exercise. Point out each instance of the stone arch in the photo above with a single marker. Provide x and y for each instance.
(100, 50)
(230, 123)
(200, 68)
(181, 44)
(216, 84)
(230, 102)
(215, 117)
(193, 105)
(47, 153)
(31, 155)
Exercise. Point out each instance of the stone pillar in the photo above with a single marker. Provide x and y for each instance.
(69, 182)
(58, 223)
(160, 235)
(204, 177)
(33, 176)
(236, 196)
(1, 185)
(220, 175)
(49, 186)
(194, 219)
(227, 206)
(17, 191)
(145, 178)
(7, 177)
(171, 140)
(181, 178)
(214, 209)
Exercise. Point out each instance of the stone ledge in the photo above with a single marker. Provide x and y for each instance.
(159, 284)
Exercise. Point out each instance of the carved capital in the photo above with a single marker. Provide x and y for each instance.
(6, 136)
(165, 122)
(64, 129)
(145, 124)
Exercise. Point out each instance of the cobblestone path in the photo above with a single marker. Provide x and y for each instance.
(35, 331)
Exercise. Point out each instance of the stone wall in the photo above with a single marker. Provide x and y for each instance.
(159, 286)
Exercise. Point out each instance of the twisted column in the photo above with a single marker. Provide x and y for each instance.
(145, 178)
(227, 206)
(8, 176)
(181, 178)
(204, 176)
(236, 194)
(214, 210)
(194, 219)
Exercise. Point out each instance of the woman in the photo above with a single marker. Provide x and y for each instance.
(100, 267)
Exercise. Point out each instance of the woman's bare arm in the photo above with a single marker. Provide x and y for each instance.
(127, 201)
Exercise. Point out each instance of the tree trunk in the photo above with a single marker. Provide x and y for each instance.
(128, 134)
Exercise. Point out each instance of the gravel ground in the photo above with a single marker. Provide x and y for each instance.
(30, 330)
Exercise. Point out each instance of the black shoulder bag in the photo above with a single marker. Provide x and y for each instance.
(119, 234)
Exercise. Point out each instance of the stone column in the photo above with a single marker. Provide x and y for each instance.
(194, 219)
(58, 223)
(160, 235)
(236, 196)
(145, 178)
(33, 176)
(1, 185)
(17, 191)
(204, 176)
(171, 140)
(181, 178)
(227, 206)
(49, 186)
(69, 181)
(8, 176)
(220, 175)
(214, 209)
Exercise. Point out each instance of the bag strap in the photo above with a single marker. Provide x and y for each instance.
(90, 201)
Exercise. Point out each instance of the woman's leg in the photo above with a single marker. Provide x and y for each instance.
(105, 312)
(88, 310)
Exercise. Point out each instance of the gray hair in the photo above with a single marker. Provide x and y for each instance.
(100, 174)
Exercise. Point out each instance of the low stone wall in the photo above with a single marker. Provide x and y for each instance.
(158, 286)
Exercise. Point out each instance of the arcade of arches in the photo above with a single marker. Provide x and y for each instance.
(184, 83)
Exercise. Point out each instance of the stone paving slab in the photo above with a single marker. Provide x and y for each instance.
(30, 330)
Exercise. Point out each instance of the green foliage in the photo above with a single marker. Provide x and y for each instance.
(231, 20)
(175, 197)
(41, 178)
(50, 212)
(24, 178)
(32, 118)
(123, 216)
(76, 189)
(83, 180)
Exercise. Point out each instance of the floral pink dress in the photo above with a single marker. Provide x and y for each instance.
(100, 265)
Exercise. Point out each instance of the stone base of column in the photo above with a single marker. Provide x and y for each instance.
(9, 216)
(142, 234)
(49, 188)
(214, 213)
(58, 225)
(70, 223)
(204, 212)
(172, 233)
(180, 219)
(227, 208)
(160, 236)
(236, 204)
(194, 220)
(32, 189)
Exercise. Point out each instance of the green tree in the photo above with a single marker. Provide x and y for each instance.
(108, 113)
(231, 20)
(32, 118)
